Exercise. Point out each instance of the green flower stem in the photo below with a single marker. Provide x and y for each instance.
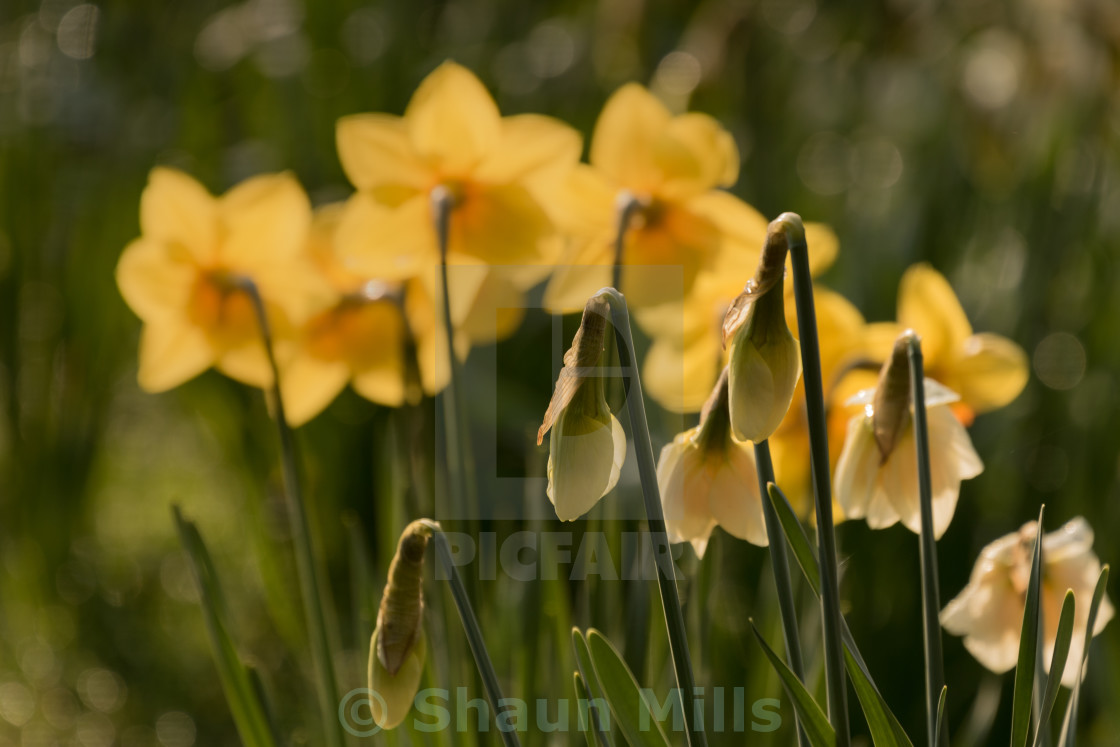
(627, 207)
(460, 466)
(931, 596)
(308, 567)
(647, 469)
(471, 628)
(779, 562)
(822, 483)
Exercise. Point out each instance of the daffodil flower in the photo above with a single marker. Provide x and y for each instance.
(666, 169)
(877, 476)
(587, 446)
(764, 359)
(185, 276)
(707, 478)
(497, 170)
(989, 610)
(987, 370)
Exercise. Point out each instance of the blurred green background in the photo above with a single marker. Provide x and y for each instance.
(980, 135)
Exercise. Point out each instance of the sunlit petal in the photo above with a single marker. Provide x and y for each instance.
(452, 120)
(928, 305)
(375, 151)
(177, 210)
(172, 352)
(625, 136)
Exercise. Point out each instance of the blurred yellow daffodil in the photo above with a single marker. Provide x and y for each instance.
(989, 610)
(497, 171)
(185, 276)
(587, 446)
(987, 370)
(877, 474)
(707, 478)
(362, 336)
(664, 170)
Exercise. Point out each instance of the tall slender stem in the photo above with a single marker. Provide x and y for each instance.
(931, 595)
(460, 466)
(822, 485)
(474, 633)
(308, 567)
(779, 562)
(627, 205)
(647, 469)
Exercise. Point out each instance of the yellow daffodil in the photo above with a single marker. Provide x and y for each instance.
(398, 645)
(877, 476)
(587, 446)
(987, 370)
(708, 478)
(666, 170)
(989, 610)
(497, 171)
(764, 359)
(362, 336)
(184, 277)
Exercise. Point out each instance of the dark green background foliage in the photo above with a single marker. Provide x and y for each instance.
(979, 135)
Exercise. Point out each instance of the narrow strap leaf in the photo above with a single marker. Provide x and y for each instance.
(810, 715)
(634, 715)
(1069, 726)
(1057, 664)
(940, 725)
(1028, 648)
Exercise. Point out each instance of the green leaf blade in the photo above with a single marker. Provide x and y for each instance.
(817, 728)
(632, 712)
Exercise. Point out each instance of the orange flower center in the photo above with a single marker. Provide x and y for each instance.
(223, 309)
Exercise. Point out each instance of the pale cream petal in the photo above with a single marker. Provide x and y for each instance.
(734, 499)
(452, 120)
(1074, 539)
(928, 305)
(308, 385)
(172, 352)
(581, 463)
(394, 693)
(898, 480)
(989, 616)
(531, 146)
(266, 219)
(618, 436)
(177, 210)
(154, 281)
(628, 128)
(857, 470)
(761, 382)
(685, 484)
(375, 151)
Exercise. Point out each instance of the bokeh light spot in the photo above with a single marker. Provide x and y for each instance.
(1059, 361)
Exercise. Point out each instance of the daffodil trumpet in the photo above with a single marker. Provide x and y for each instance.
(791, 226)
(308, 567)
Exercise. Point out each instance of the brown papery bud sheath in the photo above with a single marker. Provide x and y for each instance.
(891, 409)
(402, 604)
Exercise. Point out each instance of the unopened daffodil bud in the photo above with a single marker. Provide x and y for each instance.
(707, 478)
(989, 610)
(398, 645)
(877, 474)
(587, 445)
(764, 361)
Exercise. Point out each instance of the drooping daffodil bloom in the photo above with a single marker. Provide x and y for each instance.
(989, 610)
(186, 276)
(707, 478)
(662, 173)
(587, 446)
(764, 358)
(398, 645)
(495, 171)
(987, 370)
(877, 475)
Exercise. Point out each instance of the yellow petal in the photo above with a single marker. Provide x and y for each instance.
(571, 285)
(680, 379)
(248, 364)
(310, 384)
(823, 247)
(695, 153)
(452, 121)
(267, 219)
(386, 243)
(531, 145)
(384, 385)
(625, 136)
(497, 310)
(154, 281)
(375, 151)
(172, 352)
(990, 373)
(177, 210)
(500, 224)
(584, 204)
(927, 304)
